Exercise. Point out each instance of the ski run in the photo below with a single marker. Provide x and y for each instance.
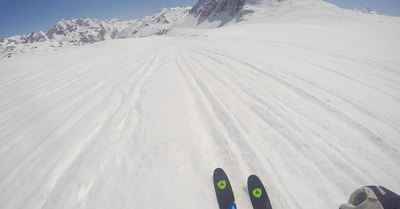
(308, 101)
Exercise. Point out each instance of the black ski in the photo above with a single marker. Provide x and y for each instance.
(223, 189)
(258, 195)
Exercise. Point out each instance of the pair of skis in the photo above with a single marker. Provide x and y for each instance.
(226, 199)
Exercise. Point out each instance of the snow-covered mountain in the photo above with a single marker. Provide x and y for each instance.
(157, 24)
(80, 31)
(206, 13)
(217, 13)
(83, 31)
(212, 8)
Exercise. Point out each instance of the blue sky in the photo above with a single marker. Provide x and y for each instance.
(388, 7)
(18, 17)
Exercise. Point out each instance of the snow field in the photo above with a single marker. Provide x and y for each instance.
(142, 123)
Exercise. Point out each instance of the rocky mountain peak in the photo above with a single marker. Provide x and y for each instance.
(36, 37)
(204, 8)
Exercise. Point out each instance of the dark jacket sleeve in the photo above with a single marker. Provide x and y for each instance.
(388, 199)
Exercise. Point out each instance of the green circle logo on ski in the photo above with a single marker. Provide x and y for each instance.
(221, 184)
(257, 192)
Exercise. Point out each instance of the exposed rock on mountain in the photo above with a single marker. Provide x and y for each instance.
(204, 8)
(221, 12)
(36, 37)
(367, 10)
(79, 31)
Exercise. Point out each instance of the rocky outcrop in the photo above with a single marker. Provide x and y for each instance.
(78, 31)
(204, 8)
(36, 37)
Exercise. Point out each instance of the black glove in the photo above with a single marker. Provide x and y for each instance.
(373, 197)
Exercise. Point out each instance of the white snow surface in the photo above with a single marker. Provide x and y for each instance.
(307, 99)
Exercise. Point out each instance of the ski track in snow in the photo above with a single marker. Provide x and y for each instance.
(143, 123)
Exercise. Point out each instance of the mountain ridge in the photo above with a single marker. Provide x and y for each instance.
(80, 31)
(205, 14)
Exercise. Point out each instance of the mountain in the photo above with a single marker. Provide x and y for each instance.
(157, 24)
(79, 31)
(216, 13)
(206, 13)
(83, 31)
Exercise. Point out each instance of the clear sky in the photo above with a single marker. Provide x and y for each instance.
(18, 17)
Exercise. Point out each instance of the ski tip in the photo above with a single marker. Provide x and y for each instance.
(252, 177)
(218, 170)
(258, 195)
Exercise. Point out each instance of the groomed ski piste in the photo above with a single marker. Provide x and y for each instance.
(304, 95)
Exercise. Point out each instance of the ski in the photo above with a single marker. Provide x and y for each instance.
(223, 190)
(258, 194)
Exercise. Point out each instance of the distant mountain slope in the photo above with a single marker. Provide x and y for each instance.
(156, 24)
(219, 12)
(83, 31)
(205, 14)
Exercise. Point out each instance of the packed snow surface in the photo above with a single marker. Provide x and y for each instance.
(309, 102)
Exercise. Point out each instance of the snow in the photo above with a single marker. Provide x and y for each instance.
(307, 101)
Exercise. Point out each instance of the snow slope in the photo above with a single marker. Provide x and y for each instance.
(306, 100)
